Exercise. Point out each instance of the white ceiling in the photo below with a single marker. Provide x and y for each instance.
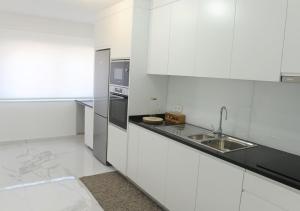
(75, 10)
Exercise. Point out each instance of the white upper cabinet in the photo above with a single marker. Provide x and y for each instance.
(114, 31)
(258, 39)
(214, 38)
(237, 39)
(183, 38)
(121, 35)
(219, 185)
(159, 40)
(291, 61)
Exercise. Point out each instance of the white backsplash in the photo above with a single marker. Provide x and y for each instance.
(275, 119)
(263, 112)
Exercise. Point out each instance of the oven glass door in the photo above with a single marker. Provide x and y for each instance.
(119, 74)
(118, 110)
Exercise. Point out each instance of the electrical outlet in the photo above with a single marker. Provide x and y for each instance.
(178, 108)
(155, 104)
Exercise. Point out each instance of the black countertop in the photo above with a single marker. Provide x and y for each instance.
(88, 103)
(272, 163)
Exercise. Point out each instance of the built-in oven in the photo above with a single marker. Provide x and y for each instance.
(118, 105)
(119, 72)
(118, 89)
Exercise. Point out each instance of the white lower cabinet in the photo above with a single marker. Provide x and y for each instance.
(152, 164)
(89, 126)
(182, 175)
(165, 169)
(133, 151)
(219, 185)
(182, 178)
(173, 173)
(261, 193)
(251, 202)
(117, 148)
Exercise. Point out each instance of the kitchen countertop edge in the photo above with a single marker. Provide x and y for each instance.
(88, 103)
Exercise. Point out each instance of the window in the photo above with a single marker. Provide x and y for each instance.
(41, 65)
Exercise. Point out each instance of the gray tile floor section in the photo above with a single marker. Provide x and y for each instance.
(115, 193)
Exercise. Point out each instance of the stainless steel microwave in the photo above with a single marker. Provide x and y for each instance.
(119, 72)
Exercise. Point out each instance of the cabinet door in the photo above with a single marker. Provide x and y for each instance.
(291, 61)
(133, 150)
(89, 126)
(102, 33)
(114, 31)
(219, 185)
(182, 175)
(214, 38)
(183, 38)
(121, 28)
(117, 148)
(250, 202)
(258, 39)
(159, 40)
(152, 164)
(272, 192)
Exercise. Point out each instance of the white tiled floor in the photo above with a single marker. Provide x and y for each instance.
(37, 170)
(62, 194)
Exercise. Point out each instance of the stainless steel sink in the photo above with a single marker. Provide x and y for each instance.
(207, 138)
(201, 137)
(227, 144)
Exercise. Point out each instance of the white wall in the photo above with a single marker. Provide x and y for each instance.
(264, 112)
(45, 25)
(32, 120)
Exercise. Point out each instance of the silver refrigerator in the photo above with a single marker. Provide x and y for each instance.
(101, 95)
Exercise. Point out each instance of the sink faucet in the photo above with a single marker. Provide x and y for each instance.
(219, 132)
